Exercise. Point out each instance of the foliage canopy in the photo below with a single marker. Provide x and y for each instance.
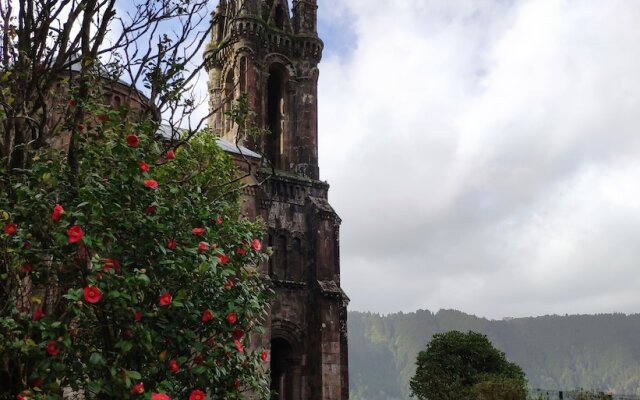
(459, 366)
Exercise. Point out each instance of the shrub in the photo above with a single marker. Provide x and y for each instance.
(134, 275)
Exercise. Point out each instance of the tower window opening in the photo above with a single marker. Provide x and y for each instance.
(275, 115)
(220, 34)
(296, 266)
(279, 17)
(281, 270)
(228, 97)
(243, 75)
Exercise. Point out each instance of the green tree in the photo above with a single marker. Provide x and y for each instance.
(459, 366)
(499, 388)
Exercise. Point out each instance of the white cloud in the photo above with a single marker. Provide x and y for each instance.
(491, 152)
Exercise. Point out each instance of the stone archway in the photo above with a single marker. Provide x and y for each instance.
(286, 363)
(281, 374)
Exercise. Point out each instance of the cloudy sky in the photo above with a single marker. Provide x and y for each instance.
(484, 155)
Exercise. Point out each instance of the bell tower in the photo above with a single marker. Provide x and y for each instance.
(260, 48)
(271, 52)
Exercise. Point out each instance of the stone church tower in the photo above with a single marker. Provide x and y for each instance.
(262, 48)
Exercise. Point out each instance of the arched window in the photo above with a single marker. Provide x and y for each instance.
(280, 267)
(243, 75)
(220, 33)
(296, 264)
(279, 16)
(275, 114)
(228, 98)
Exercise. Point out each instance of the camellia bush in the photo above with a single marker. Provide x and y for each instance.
(133, 277)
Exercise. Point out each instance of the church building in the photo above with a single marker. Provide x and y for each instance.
(271, 53)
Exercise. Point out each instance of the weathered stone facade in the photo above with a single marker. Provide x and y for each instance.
(262, 49)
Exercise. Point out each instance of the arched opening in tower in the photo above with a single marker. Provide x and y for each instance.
(297, 261)
(220, 33)
(229, 94)
(281, 376)
(279, 17)
(275, 115)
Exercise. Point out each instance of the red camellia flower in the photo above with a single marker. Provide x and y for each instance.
(172, 244)
(264, 356)
(159, 396)
(144, 167)
(151, 210)
(57, 212)
(232, 318)
(137, 316)
(52, 348)
(75, 234)
(207, 315)
(240, 250)
(174, 366)
(110, 264)
(171, 155)
(237, 384)
(38, 314)
(92, 294)
(138, 388)
(202, 247)
(133, 141)
(197, 395)
(165, 299)
(151, 183)
(229, 284)
(218, 220)
(71, 103)
(126, 334)
(239, 345)
(10, 229)
(256, 245)
(198, 359)
(197, 231)
(238, 334)
(80, 127)
(26, 268)
(20, 397)
(222, 258)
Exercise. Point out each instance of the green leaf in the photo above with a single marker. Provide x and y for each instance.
(125, 346)
(204, 267)
(135, 375)
(95, 387)
(96, 359)
(73, 294)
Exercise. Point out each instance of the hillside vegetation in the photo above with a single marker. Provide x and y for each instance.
(555, 352)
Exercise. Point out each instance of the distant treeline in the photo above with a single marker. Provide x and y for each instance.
(556, 352)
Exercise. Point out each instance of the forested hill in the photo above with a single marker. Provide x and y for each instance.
(556, 352)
